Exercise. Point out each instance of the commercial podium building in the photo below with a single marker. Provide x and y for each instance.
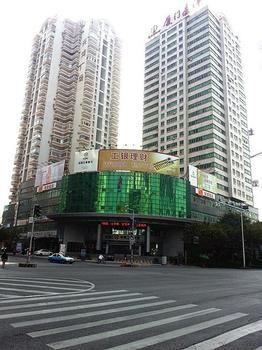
(115, 196)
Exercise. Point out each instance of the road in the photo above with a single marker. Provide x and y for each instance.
(98, 307)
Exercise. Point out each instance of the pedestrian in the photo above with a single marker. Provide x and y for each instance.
(4, 258)
(101, 258)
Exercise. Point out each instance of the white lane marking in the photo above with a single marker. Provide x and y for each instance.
(138, 327)
(53, 281)
(89, 314)
(60, 296)
(28, 291)
(45, 279)
(260, 348)
(160, 338)
(39, 286)
(5, 308)
(47, 284)
(72, 308)
(109, 321)
(227, 337)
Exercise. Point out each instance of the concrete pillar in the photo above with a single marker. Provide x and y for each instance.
(107, 248)
(98, 237)
(148, 239)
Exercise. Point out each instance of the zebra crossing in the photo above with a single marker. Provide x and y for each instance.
(123, 320)
(15, 287)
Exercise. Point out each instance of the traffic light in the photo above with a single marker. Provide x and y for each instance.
(37, 211)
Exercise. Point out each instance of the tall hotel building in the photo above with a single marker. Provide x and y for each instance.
(194, 99)
(72, 96)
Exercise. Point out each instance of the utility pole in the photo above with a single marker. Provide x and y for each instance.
(36, 214)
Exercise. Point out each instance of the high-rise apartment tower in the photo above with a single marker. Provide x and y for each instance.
(72, 96)
(194, 99)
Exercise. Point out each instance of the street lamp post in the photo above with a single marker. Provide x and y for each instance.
(243, 240)
(131, 235)
(31, 240)
(241, 210)
(131, 238)
(36, 214)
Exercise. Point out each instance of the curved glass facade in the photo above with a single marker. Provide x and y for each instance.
(120, 192)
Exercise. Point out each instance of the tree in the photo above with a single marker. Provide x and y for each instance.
(220, 244)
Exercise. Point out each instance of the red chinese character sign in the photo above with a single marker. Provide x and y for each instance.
(137, 160)
(178, 15)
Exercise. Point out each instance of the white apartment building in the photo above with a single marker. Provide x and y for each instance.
(71, 98)
(194, 99)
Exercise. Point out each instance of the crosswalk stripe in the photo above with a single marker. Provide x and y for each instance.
(138, 327)
(89, 314)
(260, 348)
(72, 308)
(112, 320)
(227, 337)
(60, 296)
(160, 338)
(66, 301)
(38, 286)
(32, 291)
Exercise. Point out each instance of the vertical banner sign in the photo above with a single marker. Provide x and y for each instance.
(192, 175)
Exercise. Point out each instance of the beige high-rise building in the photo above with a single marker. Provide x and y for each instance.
(194, 99)
(71, 98)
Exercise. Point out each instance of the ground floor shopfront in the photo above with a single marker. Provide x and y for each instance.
(121, 234)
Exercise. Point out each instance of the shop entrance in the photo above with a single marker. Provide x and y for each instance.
(117, 238)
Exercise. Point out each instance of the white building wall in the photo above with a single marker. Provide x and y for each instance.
(51, 92)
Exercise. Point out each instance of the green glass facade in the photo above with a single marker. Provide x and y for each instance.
(120, 192)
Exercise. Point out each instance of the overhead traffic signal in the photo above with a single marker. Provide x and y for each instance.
(37, 211)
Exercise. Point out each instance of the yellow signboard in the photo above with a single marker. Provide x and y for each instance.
(136, 160)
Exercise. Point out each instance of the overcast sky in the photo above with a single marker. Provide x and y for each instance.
(132, 21)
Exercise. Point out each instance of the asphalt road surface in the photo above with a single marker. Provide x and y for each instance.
(108, 307)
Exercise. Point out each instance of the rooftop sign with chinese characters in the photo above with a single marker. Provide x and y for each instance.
(175, 17)
(136, 160)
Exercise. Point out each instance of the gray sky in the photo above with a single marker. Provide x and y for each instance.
(132, 20)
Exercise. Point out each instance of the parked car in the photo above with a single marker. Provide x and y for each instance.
(60, 258)
(44, 252)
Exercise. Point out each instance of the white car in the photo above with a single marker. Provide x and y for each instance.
(43, 252)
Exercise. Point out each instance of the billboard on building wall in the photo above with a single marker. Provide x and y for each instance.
(137, 160)
(86, 161)
(202, 180)
(192, 172)
(49, 173)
